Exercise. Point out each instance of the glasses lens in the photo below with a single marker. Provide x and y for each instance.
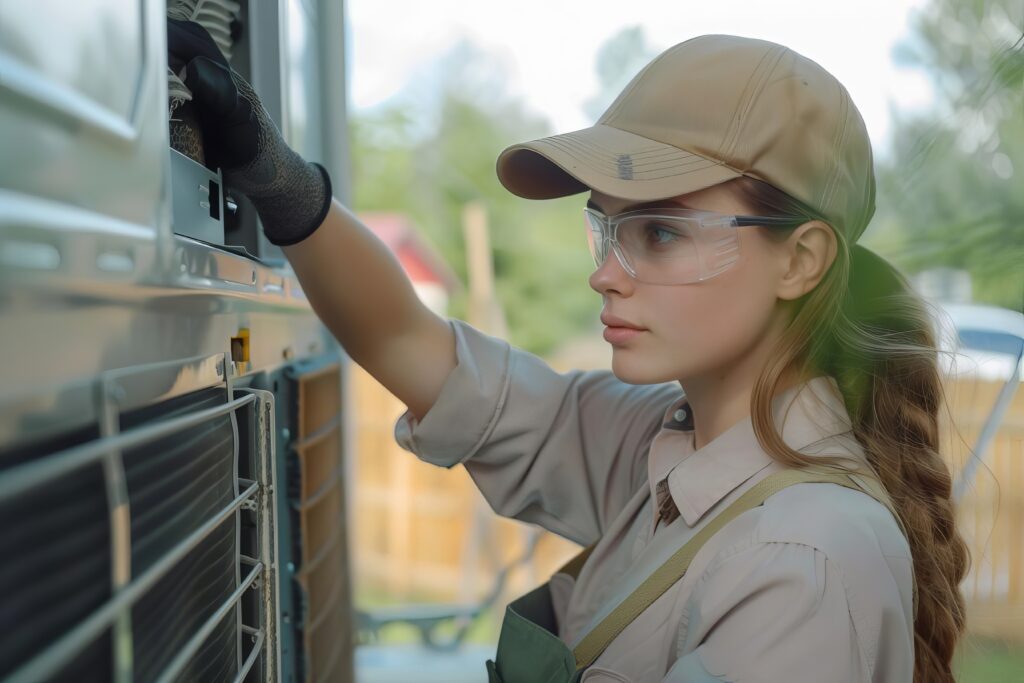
(666, 247)
(662, 249)
(596, 239)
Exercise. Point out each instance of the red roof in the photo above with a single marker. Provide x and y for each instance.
(421, 262)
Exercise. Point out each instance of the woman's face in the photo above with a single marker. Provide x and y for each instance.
(700, 330)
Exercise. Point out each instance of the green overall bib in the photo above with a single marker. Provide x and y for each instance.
(530, 651)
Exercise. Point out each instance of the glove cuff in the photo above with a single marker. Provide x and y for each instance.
(290, 233)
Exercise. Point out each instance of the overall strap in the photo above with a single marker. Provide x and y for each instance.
(675, 567)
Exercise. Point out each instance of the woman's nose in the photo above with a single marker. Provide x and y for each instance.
(611, 276)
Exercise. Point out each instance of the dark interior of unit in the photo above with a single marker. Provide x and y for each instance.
(56, 566)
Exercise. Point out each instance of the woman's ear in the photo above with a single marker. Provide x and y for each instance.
(807, 254)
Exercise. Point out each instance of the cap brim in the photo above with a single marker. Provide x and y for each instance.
(612, 161)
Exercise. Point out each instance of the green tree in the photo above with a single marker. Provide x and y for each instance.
(619, 59)
(950, 193)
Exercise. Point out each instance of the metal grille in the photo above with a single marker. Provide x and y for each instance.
(174, 485)
(132, 546)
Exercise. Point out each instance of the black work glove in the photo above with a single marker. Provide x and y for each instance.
(290, 194)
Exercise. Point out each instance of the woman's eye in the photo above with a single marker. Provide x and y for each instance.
(661, 234)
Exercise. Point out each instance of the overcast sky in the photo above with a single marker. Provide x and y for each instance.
(548, 47)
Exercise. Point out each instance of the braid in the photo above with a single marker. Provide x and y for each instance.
(864, 326)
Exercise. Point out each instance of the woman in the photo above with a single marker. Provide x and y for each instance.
(786, 517)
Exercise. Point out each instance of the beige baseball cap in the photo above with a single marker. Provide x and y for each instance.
(710, 109)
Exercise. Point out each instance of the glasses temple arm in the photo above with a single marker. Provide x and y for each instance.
(772, 221)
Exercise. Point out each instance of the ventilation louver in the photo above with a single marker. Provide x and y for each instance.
(316, 493)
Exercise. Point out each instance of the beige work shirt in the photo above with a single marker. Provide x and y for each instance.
(815, 585)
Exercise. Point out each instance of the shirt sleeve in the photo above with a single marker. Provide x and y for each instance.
(771, 612)
(562, 450)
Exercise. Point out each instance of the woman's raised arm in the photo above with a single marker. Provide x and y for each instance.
(360, 292)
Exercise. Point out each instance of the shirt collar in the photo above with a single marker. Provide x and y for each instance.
(810, 414)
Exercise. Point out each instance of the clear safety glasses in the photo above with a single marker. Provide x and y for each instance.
(672, 246)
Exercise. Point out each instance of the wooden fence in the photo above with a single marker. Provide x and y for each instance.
(991, 512)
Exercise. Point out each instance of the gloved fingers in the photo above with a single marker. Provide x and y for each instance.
(214, 91)
(187, 40)
(231, 131)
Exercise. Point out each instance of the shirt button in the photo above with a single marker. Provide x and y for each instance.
(680, 415)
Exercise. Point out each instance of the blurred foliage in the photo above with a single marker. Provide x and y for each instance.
(951, 192)
(980, 660)
(618, 59)
(434, 150)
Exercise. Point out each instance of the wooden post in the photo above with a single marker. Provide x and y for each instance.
(485, 312)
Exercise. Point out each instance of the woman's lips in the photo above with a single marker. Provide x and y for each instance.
(620, 335)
